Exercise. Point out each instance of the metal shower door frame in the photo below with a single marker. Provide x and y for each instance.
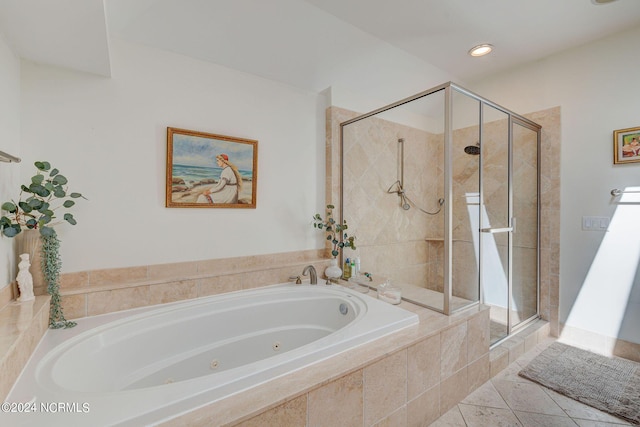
(448, 184)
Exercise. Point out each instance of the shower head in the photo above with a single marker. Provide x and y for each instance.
(474, 150)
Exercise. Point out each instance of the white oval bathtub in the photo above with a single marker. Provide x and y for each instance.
(148, 365)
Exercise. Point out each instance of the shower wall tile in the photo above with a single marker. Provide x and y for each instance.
(390, 239)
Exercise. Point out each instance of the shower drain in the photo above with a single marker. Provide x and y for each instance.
(276, 346)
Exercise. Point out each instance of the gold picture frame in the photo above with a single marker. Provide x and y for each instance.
(626, 145)
(206, 170)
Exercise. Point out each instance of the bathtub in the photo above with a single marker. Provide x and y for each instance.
(145, 366)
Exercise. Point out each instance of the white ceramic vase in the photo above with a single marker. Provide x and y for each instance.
(333, 271)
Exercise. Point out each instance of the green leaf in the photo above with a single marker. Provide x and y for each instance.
(25, 207)
(59, 180)
(330, 207)
(43, 166)
(47, 212)
(49, 186)
(76, 195)
(4, 222)
(47, 231)
(31, 224)
(10, 207)
(12, 230)
(69, 218)
(68, 203)
(39, 190)
(35, 203)
(44, 219)
(334, 253)
(59, 192)
(328, 237)
(37, 179)
(54, 172)
(25, 189)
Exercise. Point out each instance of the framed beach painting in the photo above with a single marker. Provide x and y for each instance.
(626, 145)
(206, 170)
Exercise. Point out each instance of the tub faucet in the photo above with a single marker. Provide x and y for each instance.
(313, 276)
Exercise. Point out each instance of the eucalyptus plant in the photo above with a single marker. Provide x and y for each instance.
(336, 233)
(36, 208)
(42, 198)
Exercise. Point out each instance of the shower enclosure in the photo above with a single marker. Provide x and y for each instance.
(441, 191)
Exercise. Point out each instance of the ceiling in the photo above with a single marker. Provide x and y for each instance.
(310, 43)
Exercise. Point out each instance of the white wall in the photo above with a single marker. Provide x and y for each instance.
(108, 136)
(9, 143)
(598, 89)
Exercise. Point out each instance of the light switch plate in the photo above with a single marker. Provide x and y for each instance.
(595, 223)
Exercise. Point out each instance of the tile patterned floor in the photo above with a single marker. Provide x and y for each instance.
(510, 400)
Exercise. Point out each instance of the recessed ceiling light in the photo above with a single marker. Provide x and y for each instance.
(602, 1)
(480, 50)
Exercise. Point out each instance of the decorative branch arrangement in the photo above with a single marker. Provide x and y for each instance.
(45, 195)
(334, 231)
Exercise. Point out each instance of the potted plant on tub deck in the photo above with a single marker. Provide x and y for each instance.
(37, 210)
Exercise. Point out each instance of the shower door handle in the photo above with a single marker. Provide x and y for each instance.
(496, 230)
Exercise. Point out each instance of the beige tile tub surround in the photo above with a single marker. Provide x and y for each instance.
(90, 293)
(6, 295)
(397, 380)
(22, 325)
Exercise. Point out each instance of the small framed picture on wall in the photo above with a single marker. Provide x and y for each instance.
(626, 145)
(206, 170)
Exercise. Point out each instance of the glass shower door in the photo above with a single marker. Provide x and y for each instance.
(509, 221)
(495, 227)
(525, 214)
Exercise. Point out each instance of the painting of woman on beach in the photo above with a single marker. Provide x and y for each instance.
(210, 171)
